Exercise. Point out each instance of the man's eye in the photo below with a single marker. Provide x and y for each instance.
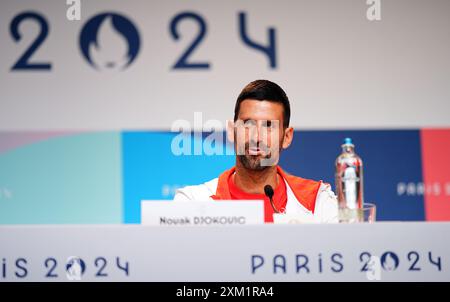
(267, 124)
(249, 123)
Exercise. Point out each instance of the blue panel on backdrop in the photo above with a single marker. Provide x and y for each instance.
(152, 171)
(389, 157)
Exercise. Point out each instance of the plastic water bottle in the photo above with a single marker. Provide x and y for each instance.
(349, 177)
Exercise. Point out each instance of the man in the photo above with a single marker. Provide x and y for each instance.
(260, 132)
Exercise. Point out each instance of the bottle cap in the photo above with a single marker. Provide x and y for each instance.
(348, 141)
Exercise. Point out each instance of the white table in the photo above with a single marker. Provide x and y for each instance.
(410, 251)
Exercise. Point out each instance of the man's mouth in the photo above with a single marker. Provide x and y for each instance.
(255, 151)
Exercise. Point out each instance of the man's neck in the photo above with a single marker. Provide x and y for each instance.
(253, 181)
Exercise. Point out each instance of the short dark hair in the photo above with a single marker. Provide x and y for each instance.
(264, 90)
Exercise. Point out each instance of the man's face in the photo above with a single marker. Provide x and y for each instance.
(259, 134)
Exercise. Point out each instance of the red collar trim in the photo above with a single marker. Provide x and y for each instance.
(305, 190)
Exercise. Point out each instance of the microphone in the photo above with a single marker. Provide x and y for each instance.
(268, 190)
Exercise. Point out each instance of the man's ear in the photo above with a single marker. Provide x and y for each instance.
(288, 137)
(230, 131)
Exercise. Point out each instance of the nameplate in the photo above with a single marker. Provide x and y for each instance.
(202, 213)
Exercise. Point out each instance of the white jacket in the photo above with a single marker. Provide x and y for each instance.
(325, 209)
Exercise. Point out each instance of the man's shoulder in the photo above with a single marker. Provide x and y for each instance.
(318, 197)
(327, 190)
(297, 180)
(326, 206)
(197, 192)
(318, 186)
(304, 189)
(323, 188)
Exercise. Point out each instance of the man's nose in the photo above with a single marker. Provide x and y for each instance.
(257, 133)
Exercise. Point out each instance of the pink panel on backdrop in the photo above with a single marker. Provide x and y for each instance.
(436, 173)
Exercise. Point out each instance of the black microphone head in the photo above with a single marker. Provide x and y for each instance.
(268, 190)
